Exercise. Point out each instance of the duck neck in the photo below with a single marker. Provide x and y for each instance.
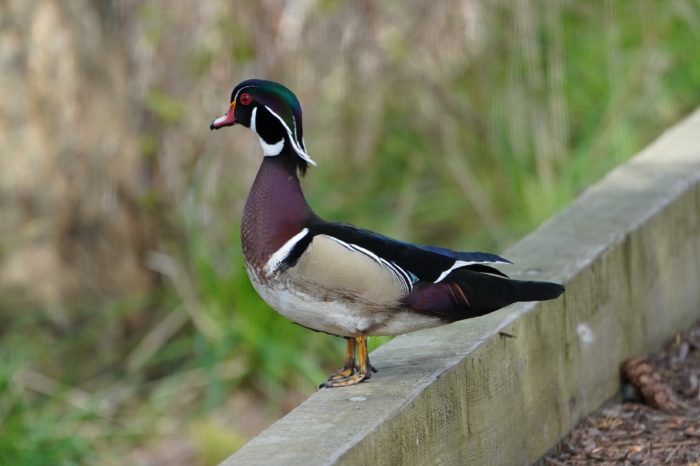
(275, 209)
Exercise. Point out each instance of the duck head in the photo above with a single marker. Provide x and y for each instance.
(273, 113)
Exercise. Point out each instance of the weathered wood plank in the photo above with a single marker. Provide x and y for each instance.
(629, 252)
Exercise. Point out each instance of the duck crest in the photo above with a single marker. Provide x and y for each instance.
(275, 211)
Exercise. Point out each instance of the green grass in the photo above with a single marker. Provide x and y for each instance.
(472, 156)
(33, 430)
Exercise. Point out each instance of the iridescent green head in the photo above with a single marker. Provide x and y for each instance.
(273, 112)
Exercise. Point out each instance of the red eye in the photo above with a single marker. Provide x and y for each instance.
(245, 99)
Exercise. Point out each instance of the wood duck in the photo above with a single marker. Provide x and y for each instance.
(340, 279)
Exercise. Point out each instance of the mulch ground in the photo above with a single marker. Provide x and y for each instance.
(658, 424)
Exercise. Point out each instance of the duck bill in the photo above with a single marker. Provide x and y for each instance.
(228, 119)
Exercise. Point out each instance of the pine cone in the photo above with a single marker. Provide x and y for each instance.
(641, 374)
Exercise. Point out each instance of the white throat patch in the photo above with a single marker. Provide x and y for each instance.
(269, 150)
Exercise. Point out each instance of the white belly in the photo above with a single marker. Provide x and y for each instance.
(332, 317)
(342, 318)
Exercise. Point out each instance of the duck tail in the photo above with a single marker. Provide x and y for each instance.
(466, 293)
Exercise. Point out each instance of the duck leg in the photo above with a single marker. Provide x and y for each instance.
(354, 372)
(349, 365)
(364, 368)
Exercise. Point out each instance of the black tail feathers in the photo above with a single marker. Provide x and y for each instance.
(536, 291)
(465, 293)
(486, 293)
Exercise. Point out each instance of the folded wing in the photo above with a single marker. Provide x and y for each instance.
(425, 263)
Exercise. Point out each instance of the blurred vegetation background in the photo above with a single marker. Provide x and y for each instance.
(128, 330)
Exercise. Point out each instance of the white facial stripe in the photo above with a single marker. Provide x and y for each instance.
(459, 264)
(292, 139)
(282, 253)
(294, 122)
(235, 97)
(253, 118)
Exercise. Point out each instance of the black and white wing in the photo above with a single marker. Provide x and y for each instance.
(413, 262)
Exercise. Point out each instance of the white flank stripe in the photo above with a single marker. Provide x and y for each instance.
(342, 243)
(395, 269)
(459, 264)
(281, 254)
(300, 152)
